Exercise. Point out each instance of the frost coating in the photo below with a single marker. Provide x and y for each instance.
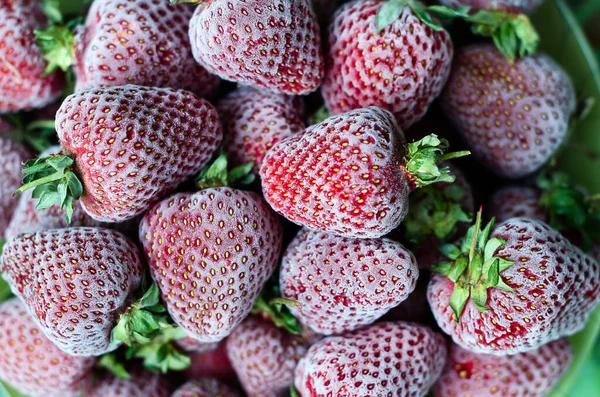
(12, 157)
(556, 287)
(205, 387)
(75, 281)
(517, 201)
(142, 384)
(345, 283)
(211, 253)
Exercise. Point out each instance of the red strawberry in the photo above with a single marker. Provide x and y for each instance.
(513, 287)
(526, 6)
(141, 383)
(23, 84)
(400, 66)
(129, 146)
(514, 116)
(264, 357)
(342, 284)
(526, 374)
(386, 359)
(211, 253)
(12, 156)
(265, 44)
(351, 174)
(416, 307)
(517, 201)
(253, 121)
(206, 387)
(31, 363)
(75, 281)
(192, 345)
(212, 363)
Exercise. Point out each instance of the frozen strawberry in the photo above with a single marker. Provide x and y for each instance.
(400, 64)
(416, 307)
(31, 363)
(124, 149)
(514, 116)
(351, 174)
(206, 387)
(12, 156)
(192, 345)
(76, 282)
(271, 44)
(141, 383)
(23, 82)
(253, 121)
(342, 284)
(513, 288)
(264, 357)
(211, 363)
(386, 359)
(517, 201)
(483, 375)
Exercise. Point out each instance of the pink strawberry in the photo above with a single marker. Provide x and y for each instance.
(264, 357)
(416, 307)
(192, 345)
(265, 44)
(253, 121)
(141, 383)
(206, 387)
(12, 156)
(128, 146)
(23, 83)
(342, 284)
(210, 253)
(76, 282)
(400, 65)
(212, 363)
(350, 174)
(526, 6)
(386, 359)
(31, 363)
(517, 201)
(526, 374)
(513, 287)
(514, 116)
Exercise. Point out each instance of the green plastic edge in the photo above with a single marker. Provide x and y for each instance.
(563, 39)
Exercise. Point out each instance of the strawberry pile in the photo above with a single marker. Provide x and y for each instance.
(251, 197)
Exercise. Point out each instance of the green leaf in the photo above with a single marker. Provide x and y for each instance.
(492, 246)
(388, 14)
(479, 297)
(5, 291)
(294, 391)
(276, 308)
(111, 363)
(460, 265)
(424, 17)
(151, 297)
(217, 174)
(442, 267)
(143, 323)
(446, 12)
(52, 10)
(458, 300)
(449, 250)
(493, 274)
(57, 43)
(476, 268)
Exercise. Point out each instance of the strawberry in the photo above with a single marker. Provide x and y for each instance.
(514, 116)
(31, 363)
(264, 357)
(351, 174)
(416, 307)
(253, 121)
(76, 282)
(140, 383)
(212, 363)
(192, 345)
(386, 359)
(125, 147)
(517, 201)
(206, 387)
(23, 82)
(380, 58)
(274, 45)
(526, 6)
(483, 375)
(342, 284)
(513, 287)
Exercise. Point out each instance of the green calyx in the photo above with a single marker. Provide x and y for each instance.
(277, 309)
(53, 182)
(294, 391)
(217, 174)
(423, 157)
(435, 212)
(149, 334)
(514, 35)
(474, 268)
(39, 134)
(392, 9)
(57, 41)
(112, 363)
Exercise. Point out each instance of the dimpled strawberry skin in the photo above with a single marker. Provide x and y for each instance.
(211, 253)
(271, 44)
(517, 201)
(345, 283)
(525, 6)
(31, 363)
(12, 156)
(513, 116)
(143, 42)
(141, 384)
(556, 287)
(134, 144)
(264, 357)
(386, 359)
(341, 176)
(521, 375)
(205, 387)
(75, 281)
(253, 121)
(23, 85)
(402, 69)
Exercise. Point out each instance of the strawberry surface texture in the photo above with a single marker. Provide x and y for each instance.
(141, 383)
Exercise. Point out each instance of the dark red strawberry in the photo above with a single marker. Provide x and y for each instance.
(386, 359)
(351, 174)
(76, 282)
(141, 383)
(517, 201)
(31, 363)
(272, 44)
(212, 363)
(206, 387)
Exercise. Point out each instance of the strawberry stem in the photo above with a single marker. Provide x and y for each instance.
(276, 309)
(391, 11)
(216, 174)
